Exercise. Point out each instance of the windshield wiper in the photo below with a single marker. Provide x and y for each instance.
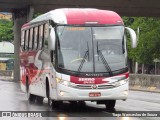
(84, 58)
(104, 61)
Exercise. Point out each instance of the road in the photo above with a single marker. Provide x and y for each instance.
(13, 99)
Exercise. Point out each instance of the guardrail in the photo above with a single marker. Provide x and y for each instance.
(6, 75)
(145, 82)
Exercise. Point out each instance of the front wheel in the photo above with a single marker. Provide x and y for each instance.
(55, 104)
(31, 98)
(110, 104)
(52, 103)
(49, 98)
(39, 100)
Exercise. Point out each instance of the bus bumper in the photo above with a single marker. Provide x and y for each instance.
(73, 94)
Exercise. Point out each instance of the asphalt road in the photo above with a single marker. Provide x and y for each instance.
(13, 99)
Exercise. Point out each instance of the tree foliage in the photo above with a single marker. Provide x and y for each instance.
(148, 47)
(6, 30)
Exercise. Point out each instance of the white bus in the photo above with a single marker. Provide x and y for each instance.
(75, 55)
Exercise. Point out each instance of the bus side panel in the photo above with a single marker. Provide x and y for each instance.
(39, 72)
(53, 84)
(23, 62)
(35, 72)
(46, 71)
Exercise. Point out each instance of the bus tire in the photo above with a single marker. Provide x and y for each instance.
(73, 104)
(49, 99)
(39, 100)
(110, 104)
(48, 93)
(82, 103)
(31, 98)
(55, 104)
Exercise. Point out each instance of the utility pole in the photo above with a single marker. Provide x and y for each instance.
(136, 65)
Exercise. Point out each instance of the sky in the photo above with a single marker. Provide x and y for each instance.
(5, 13)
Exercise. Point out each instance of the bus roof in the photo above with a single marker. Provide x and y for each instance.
(80, 16)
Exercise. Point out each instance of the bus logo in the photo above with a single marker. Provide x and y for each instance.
(94, 86)
(94, 75)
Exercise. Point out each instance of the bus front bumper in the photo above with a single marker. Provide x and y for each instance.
(73, 94)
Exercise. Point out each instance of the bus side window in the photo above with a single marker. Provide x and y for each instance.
(46, 35)
(41, 38)
(22, 39)
(30, 38)
(35, 37)
(26, 39)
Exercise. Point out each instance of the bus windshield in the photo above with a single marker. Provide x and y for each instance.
(91, 49)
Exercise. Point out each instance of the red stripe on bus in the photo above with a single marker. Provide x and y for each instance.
(80, 80)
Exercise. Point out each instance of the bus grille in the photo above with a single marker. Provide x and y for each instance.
(102, 86)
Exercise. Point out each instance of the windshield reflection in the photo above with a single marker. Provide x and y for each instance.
(75, 41)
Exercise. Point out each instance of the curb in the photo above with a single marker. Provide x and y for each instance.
(9, 80)
(145, 89)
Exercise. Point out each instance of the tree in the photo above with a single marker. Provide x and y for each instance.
(6, 30)
(149, 39)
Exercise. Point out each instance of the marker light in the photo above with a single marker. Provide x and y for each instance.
(125, 92)
(61, 93)
(65, 83)
(91, 22)
(58, 79)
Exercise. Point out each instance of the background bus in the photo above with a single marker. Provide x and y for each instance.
(75, 55)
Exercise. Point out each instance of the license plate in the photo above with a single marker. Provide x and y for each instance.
(94, 94)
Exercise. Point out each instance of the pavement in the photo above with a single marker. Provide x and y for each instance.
(145, 89)
(13, 99)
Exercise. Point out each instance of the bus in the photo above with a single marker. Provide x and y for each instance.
(75, 55)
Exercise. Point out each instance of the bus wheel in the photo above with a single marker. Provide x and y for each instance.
(49, 99)
(82, 103)
(55, 104)
(31, 98)
(110, 104)
(73, 104)
(48, 94)
(39, 100)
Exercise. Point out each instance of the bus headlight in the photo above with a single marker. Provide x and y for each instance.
(120, 82)
(58, 79)
(64, 82)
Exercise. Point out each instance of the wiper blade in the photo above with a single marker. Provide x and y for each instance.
(84, 58)
(104, 61)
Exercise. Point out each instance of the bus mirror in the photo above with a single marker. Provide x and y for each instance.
(133, 37)
(52, 39)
